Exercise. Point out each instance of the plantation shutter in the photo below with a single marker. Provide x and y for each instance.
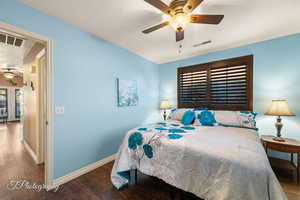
(220, 85)
(192, 87)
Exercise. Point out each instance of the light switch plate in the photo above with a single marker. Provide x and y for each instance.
(59, 110)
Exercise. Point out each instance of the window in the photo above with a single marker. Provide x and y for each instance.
(17, 103)
(220, 85)
(3, 102)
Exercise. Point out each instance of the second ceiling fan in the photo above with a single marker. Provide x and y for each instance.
(179, 11)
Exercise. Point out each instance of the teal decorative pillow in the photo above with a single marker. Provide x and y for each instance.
(188, 117)
(207, 118)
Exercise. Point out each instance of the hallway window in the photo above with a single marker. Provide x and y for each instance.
(17, 103)
(3, 102)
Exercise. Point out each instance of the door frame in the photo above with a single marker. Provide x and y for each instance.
(49, 107)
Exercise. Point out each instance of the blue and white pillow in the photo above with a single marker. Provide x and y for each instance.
(247, 119)
(177, 114)
(205, 118)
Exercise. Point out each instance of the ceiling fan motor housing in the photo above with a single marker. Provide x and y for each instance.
(177, 6)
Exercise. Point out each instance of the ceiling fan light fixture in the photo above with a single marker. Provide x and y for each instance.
(180, 21)
(181, 13)
(9, 75)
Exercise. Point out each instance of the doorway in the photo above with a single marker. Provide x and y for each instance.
(34, 100)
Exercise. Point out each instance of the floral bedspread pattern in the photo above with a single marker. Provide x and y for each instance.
(214, 163)
(141, 145)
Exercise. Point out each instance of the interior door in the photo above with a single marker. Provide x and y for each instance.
(42, 106)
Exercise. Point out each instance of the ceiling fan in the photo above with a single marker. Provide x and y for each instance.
(10, 72)
(180, 13)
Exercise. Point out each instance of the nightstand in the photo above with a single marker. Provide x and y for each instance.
(288, 146)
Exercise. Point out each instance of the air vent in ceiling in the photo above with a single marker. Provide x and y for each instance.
(202, 43)
(10, 39)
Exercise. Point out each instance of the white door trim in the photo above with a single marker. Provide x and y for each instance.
(48, 147)
(30, 151)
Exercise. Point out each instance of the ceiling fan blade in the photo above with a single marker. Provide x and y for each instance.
(206, 19)
(160, 5)
(154, 28)
(192, 4)
(179, 35)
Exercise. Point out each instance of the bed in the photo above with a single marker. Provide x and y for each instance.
(214, 163)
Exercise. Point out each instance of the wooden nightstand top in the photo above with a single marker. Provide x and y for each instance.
(287, 142)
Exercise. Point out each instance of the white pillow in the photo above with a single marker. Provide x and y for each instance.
(196, 122)
(177, 114)
(225, 117)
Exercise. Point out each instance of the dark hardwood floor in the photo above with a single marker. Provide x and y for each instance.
(17, 165)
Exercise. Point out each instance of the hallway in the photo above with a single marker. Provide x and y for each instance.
(16, 164)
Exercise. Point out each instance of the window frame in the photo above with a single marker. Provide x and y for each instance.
(6, 101)
(17, 116)
(243, 60)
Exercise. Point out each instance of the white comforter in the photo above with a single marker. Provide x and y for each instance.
(214, 163)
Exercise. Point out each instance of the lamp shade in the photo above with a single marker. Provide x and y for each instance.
(165, 104)
(279, 108)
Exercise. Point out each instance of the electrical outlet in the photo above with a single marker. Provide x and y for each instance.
(59, 110)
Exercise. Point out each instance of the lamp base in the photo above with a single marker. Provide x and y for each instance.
(278, 139)
(165, 115)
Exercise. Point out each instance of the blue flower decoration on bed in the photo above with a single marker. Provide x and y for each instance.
(134, 140)
(175, 130)
(162, 124)
(175, 124)
(188, 127)
(142, 129)
(174, 136)
(161, 129)
(148, 150)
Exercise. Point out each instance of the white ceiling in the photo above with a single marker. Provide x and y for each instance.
(12, 56)
(121, 22)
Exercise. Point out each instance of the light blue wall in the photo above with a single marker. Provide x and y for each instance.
(85, 72)
(276, 75)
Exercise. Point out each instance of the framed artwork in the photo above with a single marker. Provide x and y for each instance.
(127, 93)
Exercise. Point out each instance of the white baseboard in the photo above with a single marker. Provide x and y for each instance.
(30, 151)
(64, 179)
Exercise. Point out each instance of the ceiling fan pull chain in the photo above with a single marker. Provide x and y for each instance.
(179, 48)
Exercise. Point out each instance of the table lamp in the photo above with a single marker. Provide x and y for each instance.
(279, 108)
(164, 105)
